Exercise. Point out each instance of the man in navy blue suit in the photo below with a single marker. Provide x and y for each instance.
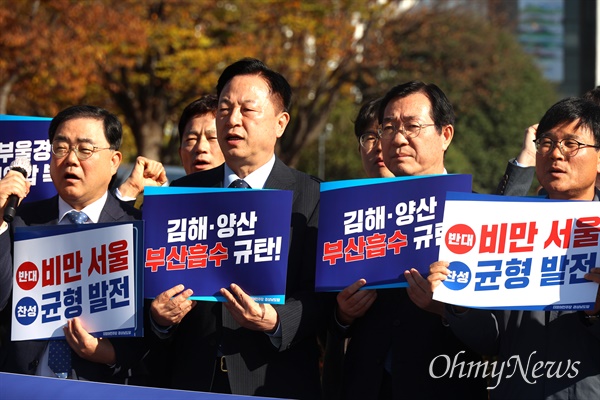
(239, 346)
(85, 155)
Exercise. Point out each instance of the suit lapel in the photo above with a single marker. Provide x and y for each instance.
(280, 177)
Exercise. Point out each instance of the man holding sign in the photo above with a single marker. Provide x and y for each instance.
(85, 145)
(240, 346)
(393, 342)
(545, 354)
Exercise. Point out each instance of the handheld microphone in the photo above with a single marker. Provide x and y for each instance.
(22, 165)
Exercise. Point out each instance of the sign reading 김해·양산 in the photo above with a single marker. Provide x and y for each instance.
(208, 238)
(378, 228)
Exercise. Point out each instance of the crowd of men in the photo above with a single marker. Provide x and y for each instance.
(356, 344)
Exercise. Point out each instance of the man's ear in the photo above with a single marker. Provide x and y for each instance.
(447, 135)
(282, 121)
(115, 161)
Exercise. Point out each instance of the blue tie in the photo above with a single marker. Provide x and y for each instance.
(77, 217)
(239, 184)
(59, 358)
(59, 352)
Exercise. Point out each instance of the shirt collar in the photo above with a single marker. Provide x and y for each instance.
(92, 211)
(256, 179)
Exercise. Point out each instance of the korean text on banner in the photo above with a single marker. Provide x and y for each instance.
(27, 137)
(208, 238)
(378, 228)
(88, 271)
(519, 253)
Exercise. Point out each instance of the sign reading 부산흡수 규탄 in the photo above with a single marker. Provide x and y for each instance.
(90, 271)
(27, 137)
(519, 253)
(378, 228)
(208, 238)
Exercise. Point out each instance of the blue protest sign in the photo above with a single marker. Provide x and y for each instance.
(28, 137)
(378, 228)
(208, 238)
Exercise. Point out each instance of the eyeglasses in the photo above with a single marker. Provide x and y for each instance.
(83, 151)
(388, 131)
(368, 140)
(567, 147)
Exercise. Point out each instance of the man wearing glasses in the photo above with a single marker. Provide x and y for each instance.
(567, 162)
(85, 146)
(393, 341)
(366, 129)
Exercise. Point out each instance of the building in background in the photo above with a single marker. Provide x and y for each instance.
(561, 35)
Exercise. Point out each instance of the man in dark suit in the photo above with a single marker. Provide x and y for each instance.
(392, 340)
(239, 346)
(85, 145)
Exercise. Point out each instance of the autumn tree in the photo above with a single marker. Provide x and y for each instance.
(147, 60)
(495, 88)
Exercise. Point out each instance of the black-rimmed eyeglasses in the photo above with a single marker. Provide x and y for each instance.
(567, 147)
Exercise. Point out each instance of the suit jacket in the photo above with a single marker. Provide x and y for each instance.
(255, 366)
(516, 180)
(415, 339)
(23, 357)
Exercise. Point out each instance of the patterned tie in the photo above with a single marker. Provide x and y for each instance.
(59, 358)
(77, 217)
(59, 352)
(239, 184)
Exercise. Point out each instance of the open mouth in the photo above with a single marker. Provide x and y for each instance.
(71, 178)
(233, 138)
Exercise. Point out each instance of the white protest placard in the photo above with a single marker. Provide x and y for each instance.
(67, 271)
(519, 253)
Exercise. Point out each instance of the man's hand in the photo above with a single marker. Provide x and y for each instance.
(145, 172)
(420, 292)
(247, 312)
(86, 346)
(527, 155)
(169, 307)
(13, 183)
(353, 303)
(438, 272)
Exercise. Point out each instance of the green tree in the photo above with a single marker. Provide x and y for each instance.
(496, 90)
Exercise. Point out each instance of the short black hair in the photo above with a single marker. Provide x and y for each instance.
(441, 108)
(571, 109)
(366, 116)
(204, 105)
(113, 130)
(593, 95)
(280, 88)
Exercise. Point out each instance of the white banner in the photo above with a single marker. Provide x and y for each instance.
(519, 253)
(70, 271)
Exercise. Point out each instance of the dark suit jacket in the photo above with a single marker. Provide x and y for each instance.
(255, 366)
(516, 180)
(23, 357)
(415, 338)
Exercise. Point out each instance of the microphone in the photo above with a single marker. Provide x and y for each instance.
(22, 165)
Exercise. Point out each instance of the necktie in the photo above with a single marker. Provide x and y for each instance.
(77, 217)
(59, 358)
(239, 184)
(59, 352)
